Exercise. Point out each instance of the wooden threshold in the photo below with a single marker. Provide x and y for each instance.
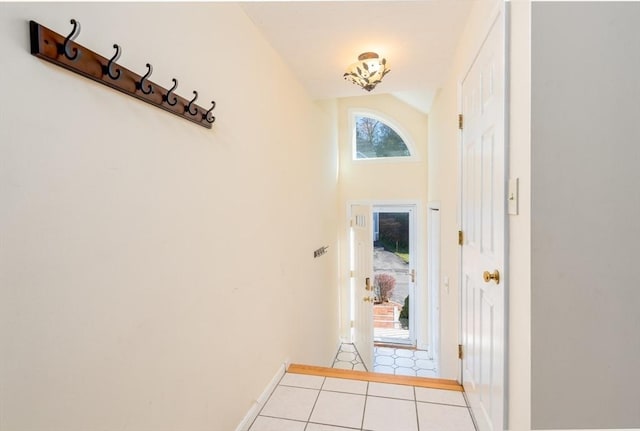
(422, 382)
(394, 345)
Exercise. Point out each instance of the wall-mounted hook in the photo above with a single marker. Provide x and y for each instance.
(188, 107)
(62, 50)
(74, 33)
(141, 84)
(107, 69)
(175, 99)
(207, 116)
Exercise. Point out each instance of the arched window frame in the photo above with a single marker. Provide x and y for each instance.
(389, 122)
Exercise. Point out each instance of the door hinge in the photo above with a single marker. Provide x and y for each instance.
(460, 238)
(460, 352)
(460, 121)
(352, 274)
(352, 323)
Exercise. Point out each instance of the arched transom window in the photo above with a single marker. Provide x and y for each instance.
(374, 138)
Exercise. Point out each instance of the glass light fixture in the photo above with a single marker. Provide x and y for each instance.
(368, 71)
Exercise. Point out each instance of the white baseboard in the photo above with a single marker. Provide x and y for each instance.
(254, 411)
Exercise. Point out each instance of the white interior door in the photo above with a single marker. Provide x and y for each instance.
(362, 281)
(483, 226)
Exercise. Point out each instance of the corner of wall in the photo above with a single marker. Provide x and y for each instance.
(262, 399)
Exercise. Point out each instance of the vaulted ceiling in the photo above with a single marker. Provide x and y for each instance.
(319, 39)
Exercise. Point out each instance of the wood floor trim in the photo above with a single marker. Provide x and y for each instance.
(394, 345)
(422, 382)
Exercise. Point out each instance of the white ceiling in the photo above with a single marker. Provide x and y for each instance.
(319, 39)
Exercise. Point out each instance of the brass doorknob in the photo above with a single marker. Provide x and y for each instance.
(488, 276)
(367, 299)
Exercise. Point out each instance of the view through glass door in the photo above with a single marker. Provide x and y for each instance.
(394, 275)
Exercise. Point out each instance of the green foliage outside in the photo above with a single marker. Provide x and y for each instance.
(404, 313)
(403, 256)
(394, 232)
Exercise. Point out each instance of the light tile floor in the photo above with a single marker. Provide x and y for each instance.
(315, 403)
(389, 360)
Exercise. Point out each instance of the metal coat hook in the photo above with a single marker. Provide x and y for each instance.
(147, 75)
(188, 107)
(62, 50)
(322, 250)
(115, 57)
(175, 99)
(74, 33)
(205, 116)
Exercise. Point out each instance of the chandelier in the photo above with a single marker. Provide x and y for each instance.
(368, 71)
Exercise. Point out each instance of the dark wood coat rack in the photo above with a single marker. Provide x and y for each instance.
(63, 51)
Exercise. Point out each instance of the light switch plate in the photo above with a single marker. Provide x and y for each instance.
(512, 196)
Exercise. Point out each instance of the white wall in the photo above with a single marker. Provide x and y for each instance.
(585, 215)
(155, 274)
(382, 182)
(443, 188)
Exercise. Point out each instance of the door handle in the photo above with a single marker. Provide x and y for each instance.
(367, 283)
(367, 299)
(488, 276)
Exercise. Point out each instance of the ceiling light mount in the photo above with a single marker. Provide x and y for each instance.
(368, 71)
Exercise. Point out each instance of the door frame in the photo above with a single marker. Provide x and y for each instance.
(434, 255)
(423, 333)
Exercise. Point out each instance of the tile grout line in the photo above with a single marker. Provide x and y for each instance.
(282, 419)
(415, 398)
(335, 358)
(392, 354)
(324, 379)
(359, 357)
(442, 404)
(473, 418)
(364, 410)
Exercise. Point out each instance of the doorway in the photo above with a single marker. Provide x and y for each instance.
(394, 282)
(482, 257)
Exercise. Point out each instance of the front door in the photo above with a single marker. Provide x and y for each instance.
(362, 282)
(483, 226)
